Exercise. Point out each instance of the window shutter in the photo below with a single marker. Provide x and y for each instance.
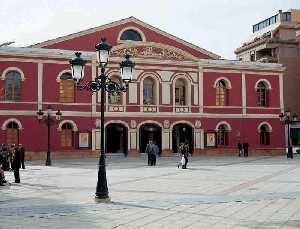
(12, 136)
(226, 133)
(66, 91)
(66, 138)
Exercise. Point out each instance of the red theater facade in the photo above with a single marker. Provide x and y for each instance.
(181, 93)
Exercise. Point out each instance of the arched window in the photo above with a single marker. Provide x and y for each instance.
(264, 135)
(66, 88)
(180, 92)
(12, 133)
(66, 135)
(262, 94)
(148, 91)
(221, 93)
(222, 135)
(131, 35)
(13, 86)
(114, 97)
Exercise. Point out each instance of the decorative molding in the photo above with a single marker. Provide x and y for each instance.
(264, 123)
(223, 123)
(151, 50)
(12, 69)
(265, 81)
(149, 108)
(6, 122)
(61, 73)
(182, 109)
(115, 108)
(133, 124)
(227, 81)
(166, 124)
(75, 129)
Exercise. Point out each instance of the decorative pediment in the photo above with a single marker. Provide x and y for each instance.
(151, 50)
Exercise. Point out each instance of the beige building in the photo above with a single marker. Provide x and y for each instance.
(277, 40)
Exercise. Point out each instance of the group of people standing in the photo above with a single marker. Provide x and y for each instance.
(152, 150)
(243, 149)
(12, 158)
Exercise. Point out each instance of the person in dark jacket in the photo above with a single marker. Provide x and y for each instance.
(150, 152)
(245, 148)
(22, 151)
(16, 163)
(240, 148)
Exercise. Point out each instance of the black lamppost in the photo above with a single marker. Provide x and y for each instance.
(102, 83)
(49, 122)
(287, 118)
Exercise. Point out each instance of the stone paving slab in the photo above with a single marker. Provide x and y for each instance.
(215, 192)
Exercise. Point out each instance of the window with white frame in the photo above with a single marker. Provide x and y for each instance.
(12, 86)
(148, 91)
(180, 92)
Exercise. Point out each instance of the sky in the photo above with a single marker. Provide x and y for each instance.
(219, 26)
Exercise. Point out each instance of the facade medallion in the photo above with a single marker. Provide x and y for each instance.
(133, 124)
(166, 124)
(197, 124)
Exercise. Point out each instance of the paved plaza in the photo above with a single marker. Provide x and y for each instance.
(214, 192)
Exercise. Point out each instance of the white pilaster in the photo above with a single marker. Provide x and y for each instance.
(40, 86)
(244, 98)
(281, 92)
(200, 90)
(94, 95)
(166, 139)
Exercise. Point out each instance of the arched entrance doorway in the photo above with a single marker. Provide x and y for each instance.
(149, 131)
(182, 133)
(116, 138)
(66, 135)
(12, 133)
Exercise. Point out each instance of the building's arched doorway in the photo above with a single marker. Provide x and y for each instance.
(182, 133)
(12, 133)
(116, 138)
(66, 135)
(149, 131)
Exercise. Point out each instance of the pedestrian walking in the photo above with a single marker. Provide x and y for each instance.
(155, 154)
(16, 163)
(22, 152)
(240, 148)
(2, 176)
(186, 151)
(150, 152)
(245, 149)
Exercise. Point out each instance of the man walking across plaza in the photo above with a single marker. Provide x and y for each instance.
(16, 163)
(156, 153)
(22, 152)
(245, 149)
(240, 148)
(150, 151)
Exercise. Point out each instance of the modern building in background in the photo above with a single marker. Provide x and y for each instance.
(181, 93)
(277, 40)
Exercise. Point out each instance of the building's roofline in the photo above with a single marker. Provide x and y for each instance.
(123, 21)
(241, 64)
(68, 54)
(42, 52)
